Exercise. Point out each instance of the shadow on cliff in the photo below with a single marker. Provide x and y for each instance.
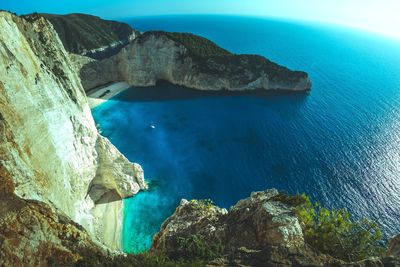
(103, 195)
(165, 91)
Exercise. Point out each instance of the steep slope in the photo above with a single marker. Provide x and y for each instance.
(90, 35)
(50, 148)
(191, 61)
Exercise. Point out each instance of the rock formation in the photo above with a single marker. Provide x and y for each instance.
(61, 182)
(191, 61)
(33, 233)
(109, 51)
(90, 35)
(253, 223)
(50, 148)
(258, 231)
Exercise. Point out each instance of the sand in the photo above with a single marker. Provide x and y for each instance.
(109, 220)
(101, 94)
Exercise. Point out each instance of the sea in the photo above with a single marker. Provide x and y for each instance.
(339, 143)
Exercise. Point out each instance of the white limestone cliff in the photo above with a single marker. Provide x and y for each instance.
(155, 56)
(49, 143)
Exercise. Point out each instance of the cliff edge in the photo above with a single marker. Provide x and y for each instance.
(62, 182)
(50, 149)
(192, 61)
(261, 230)
(89, 35)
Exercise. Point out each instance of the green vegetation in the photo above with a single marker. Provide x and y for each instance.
(195, 247)
(210, 58)
(333, 231)
(148, 259)
(198, 46)
(203, 205)
(81, 33)
(295, 201)
(152, 260)
(192, 251)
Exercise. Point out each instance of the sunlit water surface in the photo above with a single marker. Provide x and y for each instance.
(340, 144)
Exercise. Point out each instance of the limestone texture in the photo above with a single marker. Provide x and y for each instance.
(49, 145)
(155, 56)
(61, 182)
(90, 35)
(257, 231)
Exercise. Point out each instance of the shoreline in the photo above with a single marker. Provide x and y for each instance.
(99, 95)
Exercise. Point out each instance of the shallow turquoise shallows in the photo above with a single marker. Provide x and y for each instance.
(340, 144)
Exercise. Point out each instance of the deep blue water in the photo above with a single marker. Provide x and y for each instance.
(340, 144)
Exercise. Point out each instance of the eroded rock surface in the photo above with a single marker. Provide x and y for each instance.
(34, 234)
(191, 61)
(257, 231)
(49, 144)
(251, 225)
(90, 35)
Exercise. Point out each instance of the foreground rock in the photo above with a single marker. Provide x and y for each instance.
(50, 148)
(34, 234)
(257, 231)
(191, 61)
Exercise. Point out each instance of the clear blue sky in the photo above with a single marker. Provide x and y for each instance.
(374, 15)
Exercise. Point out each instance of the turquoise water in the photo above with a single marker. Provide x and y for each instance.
(340, 144)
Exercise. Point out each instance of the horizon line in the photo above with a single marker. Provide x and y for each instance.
(377, 33)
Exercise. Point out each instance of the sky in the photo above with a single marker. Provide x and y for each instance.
(372, 15)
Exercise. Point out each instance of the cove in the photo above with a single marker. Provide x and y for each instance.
(339, 144)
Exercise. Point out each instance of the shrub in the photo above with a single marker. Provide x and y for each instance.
(291, 200)
(148, 259)
(197, 45)
(203, 204)
(334, 232)
(196, 247)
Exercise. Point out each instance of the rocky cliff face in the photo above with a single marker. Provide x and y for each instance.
(258, 231)
(50, 148)
(191, 61)
(33, 233)
(62, 182)
(90, 35)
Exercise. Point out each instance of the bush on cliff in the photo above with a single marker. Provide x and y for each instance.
(148, 259)
(195, 247)
(197, 45)
(334, 232)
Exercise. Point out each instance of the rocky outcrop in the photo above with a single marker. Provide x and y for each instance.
(61, 182)
(251, 226)
(34, 234)
(50, 148)
(191, 61)
(253, 223)
(394, 247)
(90, 35)
(258, 231)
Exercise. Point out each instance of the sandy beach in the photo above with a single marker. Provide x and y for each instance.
(101, 94)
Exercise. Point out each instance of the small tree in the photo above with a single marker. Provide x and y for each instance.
(334, 232)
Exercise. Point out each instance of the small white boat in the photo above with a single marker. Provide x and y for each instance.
(152, 126)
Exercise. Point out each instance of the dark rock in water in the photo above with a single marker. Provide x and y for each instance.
(90, 35)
